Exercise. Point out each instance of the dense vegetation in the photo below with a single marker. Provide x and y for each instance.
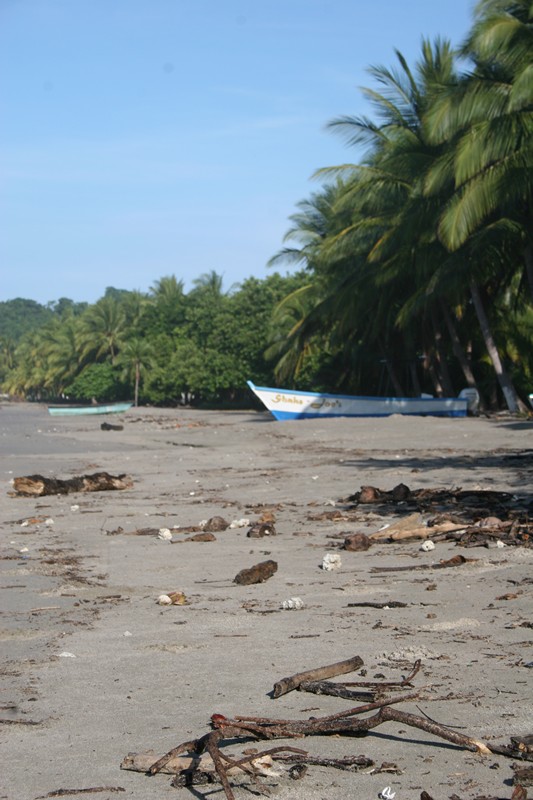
(163, 347)
(417, 262)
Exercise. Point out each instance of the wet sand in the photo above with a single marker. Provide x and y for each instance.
(142, 676)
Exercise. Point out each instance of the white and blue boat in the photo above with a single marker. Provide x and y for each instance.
(287, 404)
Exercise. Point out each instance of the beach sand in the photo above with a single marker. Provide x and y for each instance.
(74, 580)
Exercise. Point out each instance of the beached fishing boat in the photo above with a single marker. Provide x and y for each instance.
(97, 408)
(289, 404)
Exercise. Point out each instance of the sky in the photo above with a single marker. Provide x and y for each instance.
(146, 138)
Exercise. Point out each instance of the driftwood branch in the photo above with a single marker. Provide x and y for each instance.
(38, 485)
(205, 761)
(335, 690)
(381, 685)
(90, 790)
(321, 673)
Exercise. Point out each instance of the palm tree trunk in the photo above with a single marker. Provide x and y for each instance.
(413, 372)
(458, 350)
(504, 379)
(440, 358)
(528, 258)
(137, 381)
(394, 379)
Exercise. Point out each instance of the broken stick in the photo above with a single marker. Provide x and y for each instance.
(335, 690)
(286, 685)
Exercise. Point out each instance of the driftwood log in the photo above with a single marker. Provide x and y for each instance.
(38, 485)
(322, 673)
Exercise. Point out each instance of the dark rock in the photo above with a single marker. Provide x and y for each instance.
(357, 541)
(259, 573)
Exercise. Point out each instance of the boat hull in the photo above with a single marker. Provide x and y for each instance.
(102, 408)
(285, 405)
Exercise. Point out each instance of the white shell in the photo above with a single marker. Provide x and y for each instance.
(331, 561)
(240, 523)
(164, 600)
(295, 603)
(427, 546)
(164, 534)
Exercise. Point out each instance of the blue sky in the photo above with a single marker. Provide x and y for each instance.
(144, 138)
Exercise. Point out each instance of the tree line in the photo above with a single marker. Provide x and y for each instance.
(162, 347)
(416, 262)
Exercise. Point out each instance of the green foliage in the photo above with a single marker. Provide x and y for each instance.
(167, 347)
(19, 316)
(97, 381)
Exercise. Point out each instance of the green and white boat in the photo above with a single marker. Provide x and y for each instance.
(95, 408)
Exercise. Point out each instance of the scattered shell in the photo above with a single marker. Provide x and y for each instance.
(164, 600)
(331, 561)
(172, 599)
(164, 534)
(127, 633)
(240, 523)
(74, 508)
(261, 529)
(202, 523)
(66, 655)
(177, 598)
(49, 521)
(267, 516)
(295, 603)
(427, 546)
(24, 550)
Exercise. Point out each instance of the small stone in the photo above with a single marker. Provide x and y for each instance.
(259, 573)
(216, 524)
(357, 541)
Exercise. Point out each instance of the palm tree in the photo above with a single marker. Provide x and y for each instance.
(169, 298)
(486, 120)
(136, 357)
(382, 254)
(209, 283)
(407, 251)
(102, 328)
(61, 350)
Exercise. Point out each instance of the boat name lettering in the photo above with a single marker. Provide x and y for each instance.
(327, 404)
(282, 398)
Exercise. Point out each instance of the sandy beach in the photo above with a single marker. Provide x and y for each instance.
(93, 668)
